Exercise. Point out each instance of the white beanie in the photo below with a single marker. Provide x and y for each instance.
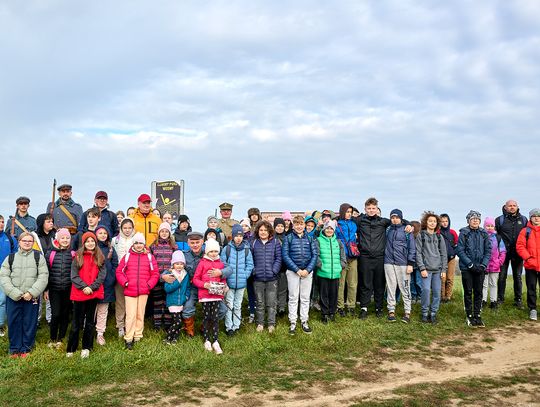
(178, 257)
(139, 238)
(329, 224)
(210, 245)
(164, 225)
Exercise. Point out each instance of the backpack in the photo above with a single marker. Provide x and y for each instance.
(11, 243)
(11, 258)
(126, 258)
(228, 253)
(527, 234)
(53, 254)
(499, 221)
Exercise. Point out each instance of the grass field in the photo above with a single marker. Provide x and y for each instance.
(253, 362)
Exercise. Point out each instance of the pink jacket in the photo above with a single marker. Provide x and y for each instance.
(498, 254)
(201, 277)
(141, 273)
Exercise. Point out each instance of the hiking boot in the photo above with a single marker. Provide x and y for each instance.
(425, 319)
(341, 312)
(217, 348)
(533, 315)
(85, 353)
(129, 345)
(208, 346)
(260, 328)
(100, 339)
(406, 318)
(292, 329)
(306, 328)
(479, 322)
(391, 317)
(378, 313)
(363, 314)
(434, 319)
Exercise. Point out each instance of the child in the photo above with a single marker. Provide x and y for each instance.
(120, 215)
(236, 256)
(181, 232)
(167, 217)
(162, 249)
(330, 262)
(498, 254)
(311, 223)
(111, 263)
(213, 223)
(287, 218)
(282, 294)
(252, 300)
(87, 275)
(451, 239)
(432, 261)
(528, 247)
(416, 278)
(474, 251)
(300, 255)
(138, 274)
(214, 235)
(246, 227)
(59, 261)
(211, 293)
(121, 244)
(399, 257)
(267, 264)
(93, 215)
(177, 294)
(130, 212)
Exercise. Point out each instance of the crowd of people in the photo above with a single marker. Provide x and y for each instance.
(77, 263)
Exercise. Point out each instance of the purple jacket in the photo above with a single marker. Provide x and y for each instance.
(498, 254)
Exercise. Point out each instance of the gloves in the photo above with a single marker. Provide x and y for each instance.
(482, 268)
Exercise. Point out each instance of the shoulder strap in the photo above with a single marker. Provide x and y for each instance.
(246, 251)
(51, 257)
(68, 214)
(150, 261)
(499, 220)
(498, 240)
(19, 224)
(527, 234)
(11, 242)
(36, 258)
(10, 261)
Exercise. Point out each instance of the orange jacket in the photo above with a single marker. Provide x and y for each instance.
(148, 225)
(529, 248)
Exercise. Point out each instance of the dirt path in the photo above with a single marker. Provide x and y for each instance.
(493, 354)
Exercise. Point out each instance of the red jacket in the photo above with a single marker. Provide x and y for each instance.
(141, 273)
(529, 249)
(89, 275)
(201, 276)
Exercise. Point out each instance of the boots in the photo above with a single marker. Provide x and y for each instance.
(189, 326)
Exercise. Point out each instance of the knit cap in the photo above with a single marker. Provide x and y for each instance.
(489, 222)
(534, 212)
(86, 236)
(211, 217)
(211, 245)
(178, 257)
(278, 221)
(62, 232)
(139, 238)
(182, 218)
(329, 224)
(237, 230)
(164, 225)
(473, 214)
(286, 215)
(246, 222)
(396, 212)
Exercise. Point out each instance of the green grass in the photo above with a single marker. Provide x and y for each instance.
(252, 362)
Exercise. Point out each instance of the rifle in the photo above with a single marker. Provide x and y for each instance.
(53, 196)
(13, 223)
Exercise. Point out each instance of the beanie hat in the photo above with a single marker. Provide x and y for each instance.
(489, 222)
(87, 235)
(164, 225)
(278, 221)
(183, 218)
(211, 245)
(396, 212)
(139, 238)
(210, 218)
(178, 257)
(286, 215)
(534, 212)
(254, 211)
(105, 228)
(473, 214)
(246, 222)
(329, 224)
(237, 230)
(62, 232)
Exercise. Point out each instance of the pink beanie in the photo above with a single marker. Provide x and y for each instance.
(164, 225)
(178, 257)
(489, 222)
(62, 232)
(286, 215)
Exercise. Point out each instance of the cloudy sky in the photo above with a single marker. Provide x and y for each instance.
(281, 105)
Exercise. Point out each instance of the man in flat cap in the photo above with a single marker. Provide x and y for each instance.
(22, 219)
(107, 218)
(67, 213)
(226, 222)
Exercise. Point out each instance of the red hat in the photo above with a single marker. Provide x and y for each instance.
(101, 194)
(86, 235)
(144, 198)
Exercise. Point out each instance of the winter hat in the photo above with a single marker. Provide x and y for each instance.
(210, 218)
(246, 222)
(237, 230)
(183, 218)
(87, 235)
(286, 215)
(164, 225)
(489, 222)
(178, 257)
(125, 220)
(329, 224)
(105, 228)
(211, 245)
(396, 212)
(310, 219)
(62, 232)
(210, 230)
(534, 212)
(254, 211)
(139, 238)
(278, 221)
(472, 215)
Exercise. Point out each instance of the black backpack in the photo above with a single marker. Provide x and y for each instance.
(11, 258)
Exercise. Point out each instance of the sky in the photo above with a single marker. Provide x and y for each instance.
(279, 105)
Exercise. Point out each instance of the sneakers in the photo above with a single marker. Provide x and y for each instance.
(518, 304)
(363, 314)
(2, 332)
(391, 317)
(271, 329)
(306, 328)
(58, 345)
(129, 345)
(406, 318)
(69, 354)
(425, 319)
(251, 318)
(208, 346)
(292, 329)
(470, 321)
(229, 333)
(216, 348)
(479, 322)
(100, 339)
(325, 319)
(533, 315)
(341, 312)
(378, 313)
(85, 353)
(121, 332)
(50, 345)
(24, 355)
(434, 320)
(260, 328)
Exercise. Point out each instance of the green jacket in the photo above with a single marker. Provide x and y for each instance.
(332, 258)
(24, 276)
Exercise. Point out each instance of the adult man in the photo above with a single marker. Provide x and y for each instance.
(107, 218)
(226, 223)
(145, 221)
(508, 226)
(67, 213)
(23, 221)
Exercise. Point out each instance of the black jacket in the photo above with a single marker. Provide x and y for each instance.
(508, 227)
(371, 235)
(60, 272)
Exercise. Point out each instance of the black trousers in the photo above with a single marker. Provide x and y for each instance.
(473, 283)
(328, 295)
(517, 269)
(532, 278)
(84, 313)
(61, 307)
(371, 280)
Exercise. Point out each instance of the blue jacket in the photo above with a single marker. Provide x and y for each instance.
(400, 247)
(346, 232)
(267, 259)
(299, 252)
(240, 260)
(5, 246)
(28, 221)
(108, 219)
(110, 278)
(177, 292)
(473, 249)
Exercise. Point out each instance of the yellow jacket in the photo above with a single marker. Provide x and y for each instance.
(148, 225)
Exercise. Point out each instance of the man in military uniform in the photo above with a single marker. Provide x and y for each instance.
(23, 221)
(67, 213)
(226, 222)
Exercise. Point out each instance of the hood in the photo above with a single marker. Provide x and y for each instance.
(106, 230)
(125, 220)
(342, 209)
(40, 221)
(449, 221)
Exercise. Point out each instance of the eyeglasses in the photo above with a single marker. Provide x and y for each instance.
(27, 241)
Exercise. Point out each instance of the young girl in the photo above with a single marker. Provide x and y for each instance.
(130, 212)
(287, 218)
(177, 294)
(167, 217)
(138, 274)
(59, 261)
(498, 254)
(120, 215)
(211, 292)
(111, 263)
(246, 228)
(121, 245)
(162, 249)
(282, 294)
(237, 257)
(87, 275)
(432, 262)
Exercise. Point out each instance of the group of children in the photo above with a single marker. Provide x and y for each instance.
(285, 264)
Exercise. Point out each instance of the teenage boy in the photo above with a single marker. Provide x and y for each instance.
(107, 218)
(300, 255)
(92, 216)
(23, 221)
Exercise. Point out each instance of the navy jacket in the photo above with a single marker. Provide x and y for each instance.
(110, 278)
(400, 247)
(107, 219)
(299, 252)
(267, 259)
(473, 249)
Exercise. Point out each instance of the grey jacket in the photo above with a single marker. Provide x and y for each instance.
(24, 276)
(61, 220)
(431, 253)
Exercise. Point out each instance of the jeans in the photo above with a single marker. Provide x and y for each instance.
(233, 317)
(416, 283)
(189, 306)
(432, 283)
(473, 284)
(266, 294)
(299, 289)
(2, 308)
(22, 324)
(517, 269)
